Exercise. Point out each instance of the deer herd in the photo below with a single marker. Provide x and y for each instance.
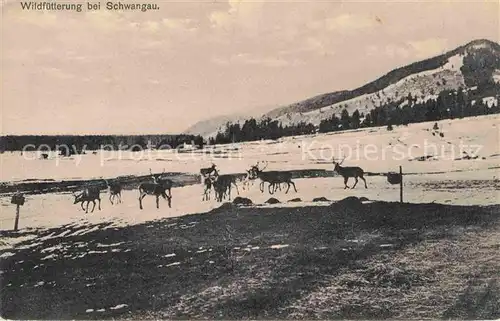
(212, 181)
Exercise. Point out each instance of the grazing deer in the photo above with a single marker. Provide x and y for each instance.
(347, 172)
(273, 178)
(158, 188)
(89, 194)
(114, 191)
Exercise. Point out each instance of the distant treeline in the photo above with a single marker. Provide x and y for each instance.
(449, 104)
(95, 142)
(256, 130)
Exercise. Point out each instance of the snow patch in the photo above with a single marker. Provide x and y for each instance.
(171, 264)
(110, 245)
(496, 76)
(6, 254)
(279, 246)
(50, 256)
(490, 101)
(52, 249)
(454, 63)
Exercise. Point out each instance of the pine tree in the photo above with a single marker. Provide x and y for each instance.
(367, 122)
(381, 117)
(355, 122)
(345, 120)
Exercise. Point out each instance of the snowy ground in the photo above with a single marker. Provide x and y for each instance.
(51, 210)
(312, 261)
(374, 149)
(441, 178)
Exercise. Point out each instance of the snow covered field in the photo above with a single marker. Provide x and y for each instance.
(51, 210)
(442, 175)
(374, 149)
(124, 263)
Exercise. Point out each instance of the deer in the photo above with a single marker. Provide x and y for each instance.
(88, 194)
(204, 175)
(114, 191)
(347, 172)
(273, 178)
(277, 186)
(220, 189)
(208, 182)
(207, 171)
(157, 188)
(250, 177)
(222, 185)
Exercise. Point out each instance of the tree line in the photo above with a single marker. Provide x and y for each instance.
(253, 130)
(448, 104)
(78, 143)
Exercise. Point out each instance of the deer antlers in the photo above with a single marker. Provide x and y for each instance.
(151, 173)
(263, 168)
(156, 177)
(335, 161)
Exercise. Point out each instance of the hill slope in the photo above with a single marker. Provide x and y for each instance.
(470, 67)
(474, 64)
(209, 127)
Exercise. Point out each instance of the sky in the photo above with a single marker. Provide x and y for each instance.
(160, 71)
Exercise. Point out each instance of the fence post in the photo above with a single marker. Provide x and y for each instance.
(16, 223)
(401, 184)
(17, 199)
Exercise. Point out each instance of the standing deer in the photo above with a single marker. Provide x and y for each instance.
(207, 171)
(347, 172)
(208, 182)
(250, 177)
(114, 191)
(220, 189)
(274, 178)
(89, 194)
(157, 188)
(222, 185)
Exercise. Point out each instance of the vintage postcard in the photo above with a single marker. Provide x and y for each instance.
(238, 159)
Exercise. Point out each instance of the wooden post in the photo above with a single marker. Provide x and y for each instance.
(401, 184)
(16, 223)
(17, 199)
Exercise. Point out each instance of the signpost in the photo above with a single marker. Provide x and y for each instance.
(397, 178)
(17, 199)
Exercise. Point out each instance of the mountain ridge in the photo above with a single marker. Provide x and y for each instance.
(474, 63)
(394, 75)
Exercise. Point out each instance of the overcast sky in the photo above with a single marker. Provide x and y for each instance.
(161, 71)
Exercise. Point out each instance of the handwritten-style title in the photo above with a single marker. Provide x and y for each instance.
(88, 6)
